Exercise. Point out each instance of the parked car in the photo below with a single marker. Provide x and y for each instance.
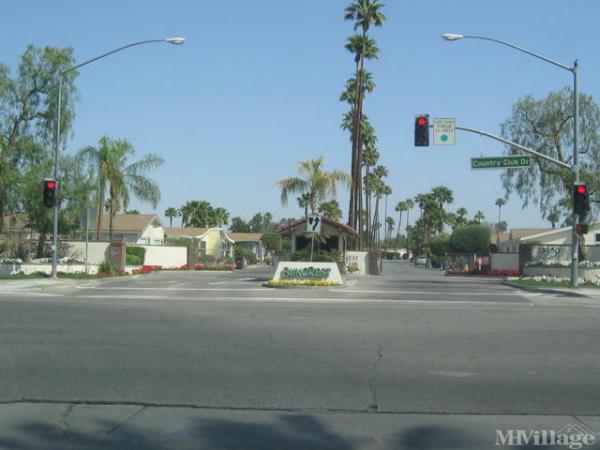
(421, 260)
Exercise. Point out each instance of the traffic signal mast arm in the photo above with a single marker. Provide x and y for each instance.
(515, 145)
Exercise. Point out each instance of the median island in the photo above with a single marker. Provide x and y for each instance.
(302, 274)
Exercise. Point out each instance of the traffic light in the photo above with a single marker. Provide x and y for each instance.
(581, 199)
(582, 228)
(422, 130)
(50, 195)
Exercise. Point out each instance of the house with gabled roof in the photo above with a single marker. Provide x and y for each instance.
(133, 228)
(211, 241)
(249, 241)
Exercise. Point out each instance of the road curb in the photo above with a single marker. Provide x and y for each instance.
(543, 290)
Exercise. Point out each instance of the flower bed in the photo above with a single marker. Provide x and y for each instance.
(489, 273)
(562, 264)
(301, 283)
(219, 267)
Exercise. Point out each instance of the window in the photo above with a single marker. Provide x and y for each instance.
(597, 237)
(202, 248)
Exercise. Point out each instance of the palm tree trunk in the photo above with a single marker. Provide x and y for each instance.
(374, 227)
(407, 224)
(399, 224)
(100, 208)
(170, 222)
(367, 230)
(498, 226)
(110, 223)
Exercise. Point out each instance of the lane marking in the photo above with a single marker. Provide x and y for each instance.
(503, 294)
(307, 300)
(166, 289)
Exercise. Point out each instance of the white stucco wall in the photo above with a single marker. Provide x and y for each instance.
(97, 251)
(166, 256)
(358, 258)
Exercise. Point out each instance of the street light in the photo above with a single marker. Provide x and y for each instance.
(61, 73)
(575, 166)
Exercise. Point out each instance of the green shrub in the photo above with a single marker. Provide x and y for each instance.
(107, 267)
(207, 259)
(137, 252)
(133, 260)
(439, 245)
(240, 251)
(470, 239)
(271, 241)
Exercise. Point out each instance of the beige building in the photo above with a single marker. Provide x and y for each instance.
(16, 227)
(509, 242)
(337, 236)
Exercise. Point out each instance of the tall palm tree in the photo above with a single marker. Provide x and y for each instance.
(364, 13)
(313, 180)
(390, 223)
(443, 194)
(478, 217)
(171, 213)
(400, 207)
(219, 217)
(410, 204)
(304, 202)
(119, 178)
(197, 213)
(500, 202)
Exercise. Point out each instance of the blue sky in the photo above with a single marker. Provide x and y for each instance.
(256, 87)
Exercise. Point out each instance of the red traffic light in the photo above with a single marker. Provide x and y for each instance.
(581, 189)
(50, 184)
(422, 121)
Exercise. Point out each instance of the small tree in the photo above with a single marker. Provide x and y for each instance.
(271, 241)
(470, 239)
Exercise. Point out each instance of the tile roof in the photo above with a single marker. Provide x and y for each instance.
(185, 231)
(128, 222)
(245, 236)
(340, 226)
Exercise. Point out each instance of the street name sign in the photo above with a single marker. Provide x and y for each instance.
(444, 131)
(501, 162)
(313, 225)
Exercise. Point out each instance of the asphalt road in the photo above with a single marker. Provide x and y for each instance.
(411, 343)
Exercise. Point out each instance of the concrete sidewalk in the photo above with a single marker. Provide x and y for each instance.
(565, 292)
(59, 426)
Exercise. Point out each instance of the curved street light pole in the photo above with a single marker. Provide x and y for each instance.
(575, 167)
(61, 73)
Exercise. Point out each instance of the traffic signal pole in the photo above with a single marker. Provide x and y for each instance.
(575, 167)
(56, 206)
(574, 235)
